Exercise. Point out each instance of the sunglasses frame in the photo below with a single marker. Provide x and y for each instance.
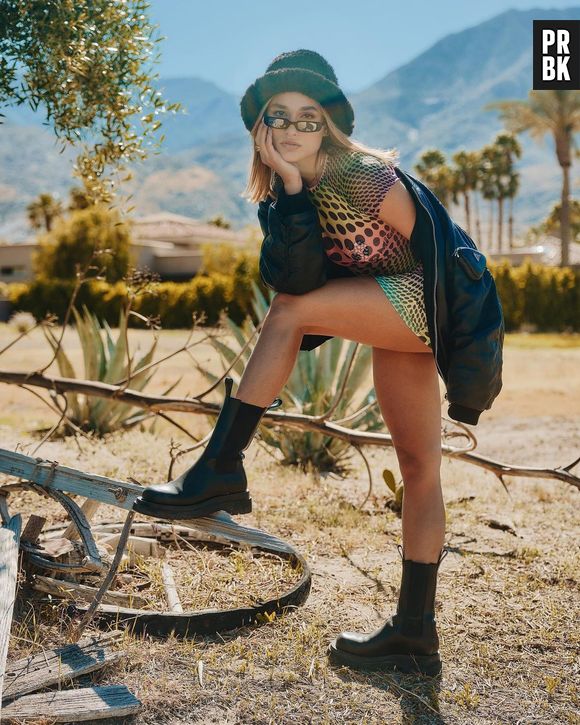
(319, 124)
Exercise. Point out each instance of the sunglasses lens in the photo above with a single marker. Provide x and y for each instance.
(307, 126)
(276, 122)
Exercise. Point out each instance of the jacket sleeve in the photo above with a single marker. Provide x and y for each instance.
(292, 256)
(476, 333)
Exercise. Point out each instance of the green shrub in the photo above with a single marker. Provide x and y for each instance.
(509, 293)
(547, 298)
(75, 238)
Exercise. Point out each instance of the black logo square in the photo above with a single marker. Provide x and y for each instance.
(556, 55)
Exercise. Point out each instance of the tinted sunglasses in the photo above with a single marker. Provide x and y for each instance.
(304, 126)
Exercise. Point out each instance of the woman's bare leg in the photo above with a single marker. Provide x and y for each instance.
(405, 380)
(353, 308)
(407, 388)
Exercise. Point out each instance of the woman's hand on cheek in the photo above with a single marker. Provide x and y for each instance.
(288, 171)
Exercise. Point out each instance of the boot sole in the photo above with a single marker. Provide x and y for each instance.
(425, 664)
(238, 503)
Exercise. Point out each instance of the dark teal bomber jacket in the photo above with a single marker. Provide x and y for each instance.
(464, 313)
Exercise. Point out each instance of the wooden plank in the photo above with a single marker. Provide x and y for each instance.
(140, 545)
(123, 494)
(33, 529)
(72, 706)
(63, 663)
(74, 590)
(56, 548)
(63, 478)
(89, 509)
(170, 589)
(9, 543)
(221, 526)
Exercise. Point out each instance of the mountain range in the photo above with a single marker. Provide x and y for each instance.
(435, 100)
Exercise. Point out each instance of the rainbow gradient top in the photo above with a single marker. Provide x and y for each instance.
(348, 198)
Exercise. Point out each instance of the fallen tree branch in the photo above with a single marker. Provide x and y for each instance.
(293, 420)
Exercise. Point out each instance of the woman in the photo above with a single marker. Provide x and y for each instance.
(358, 249)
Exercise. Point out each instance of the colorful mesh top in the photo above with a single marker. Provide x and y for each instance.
(348, 197)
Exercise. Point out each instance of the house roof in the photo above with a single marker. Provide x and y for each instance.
(170, 227)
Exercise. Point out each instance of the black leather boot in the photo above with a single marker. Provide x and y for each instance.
(217, 480)
(408, 641)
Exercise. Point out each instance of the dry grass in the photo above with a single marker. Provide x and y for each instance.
(224, 577)
(507, 605)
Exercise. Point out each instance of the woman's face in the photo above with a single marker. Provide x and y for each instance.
(291, 144)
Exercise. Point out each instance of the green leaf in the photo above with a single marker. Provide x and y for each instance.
(389, 479)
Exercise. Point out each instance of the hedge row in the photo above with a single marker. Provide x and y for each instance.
(546, 298)
(174, 302)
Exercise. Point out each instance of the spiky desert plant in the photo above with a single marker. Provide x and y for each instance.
(105, 360)
(337, 369)
(395, 502)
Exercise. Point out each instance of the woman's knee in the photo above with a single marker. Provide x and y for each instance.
(419, 467)
(285, 309)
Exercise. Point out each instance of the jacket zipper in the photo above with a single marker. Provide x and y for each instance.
(456, 250)
(434, 288)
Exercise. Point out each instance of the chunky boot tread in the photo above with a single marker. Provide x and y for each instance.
(240, 503)
(408, 641)
(217, 480)
(409, 663)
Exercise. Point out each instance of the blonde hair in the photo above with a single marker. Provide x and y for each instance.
(262, 180)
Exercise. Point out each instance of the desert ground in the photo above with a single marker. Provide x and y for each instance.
(507, 602)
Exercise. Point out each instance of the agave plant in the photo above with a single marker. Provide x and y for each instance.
(311, 389)
(395, 503)
(105, 360)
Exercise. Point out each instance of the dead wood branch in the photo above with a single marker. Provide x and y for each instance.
(293, 420)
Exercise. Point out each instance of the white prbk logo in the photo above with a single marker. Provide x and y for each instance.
(555, 67)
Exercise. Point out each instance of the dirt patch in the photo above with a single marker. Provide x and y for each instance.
(507, 600)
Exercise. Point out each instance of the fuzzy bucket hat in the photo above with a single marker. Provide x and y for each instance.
(303, 71)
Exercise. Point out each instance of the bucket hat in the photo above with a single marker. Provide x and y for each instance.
(303, 71)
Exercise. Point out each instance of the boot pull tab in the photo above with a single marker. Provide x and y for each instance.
(276, 404)
(442, 555)
(228, 383)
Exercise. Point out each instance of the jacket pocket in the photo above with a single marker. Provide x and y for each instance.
(472, 261)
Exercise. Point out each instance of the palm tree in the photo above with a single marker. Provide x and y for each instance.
(477, 194)
(508, 183)
(511, 191)
(78, 199)
(551, 225)
(558, 113)
(465, 180)
(220, 222)
(434, 172)
(43, 211)
(511, 149)
(488, 173)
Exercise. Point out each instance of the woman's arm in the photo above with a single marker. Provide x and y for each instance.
(398, 209)
(292, 256)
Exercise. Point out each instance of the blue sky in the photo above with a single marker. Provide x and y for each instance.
(230, 42)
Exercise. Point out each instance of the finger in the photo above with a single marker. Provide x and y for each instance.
(264, 140)
(266, 143)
